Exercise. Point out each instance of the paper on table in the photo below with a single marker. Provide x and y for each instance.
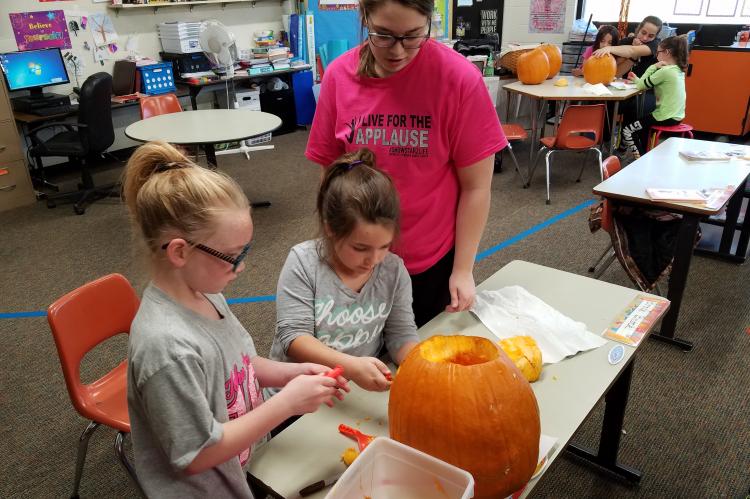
(513, 311)
(597, 89)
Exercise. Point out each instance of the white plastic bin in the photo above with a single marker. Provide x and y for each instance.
(391, 470)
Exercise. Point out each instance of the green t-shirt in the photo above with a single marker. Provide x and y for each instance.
(668, 83)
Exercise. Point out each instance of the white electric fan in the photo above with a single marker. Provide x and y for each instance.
(218, 44)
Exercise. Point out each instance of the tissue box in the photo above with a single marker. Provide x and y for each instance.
(391, 470)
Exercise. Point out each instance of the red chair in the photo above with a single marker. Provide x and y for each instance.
(154, 105)
(655, 131)
(81, 320)
(576, 120)
(515, 133)
(610, 166)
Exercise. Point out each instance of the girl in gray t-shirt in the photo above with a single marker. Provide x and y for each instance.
(194, 378)
(344, 296)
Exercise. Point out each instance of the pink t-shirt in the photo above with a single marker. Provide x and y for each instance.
(587, 53)
(422, 123)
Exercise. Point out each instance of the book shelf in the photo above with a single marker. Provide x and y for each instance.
(160, 4)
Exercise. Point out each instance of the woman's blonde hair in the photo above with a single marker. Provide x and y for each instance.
(166, 192)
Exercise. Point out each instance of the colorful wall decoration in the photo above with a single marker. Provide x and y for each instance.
(40, 30)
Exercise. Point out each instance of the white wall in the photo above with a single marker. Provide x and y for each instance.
(516, 23)
(241, 18)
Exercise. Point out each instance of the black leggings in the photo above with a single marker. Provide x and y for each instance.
(635, 134)
(429, 289)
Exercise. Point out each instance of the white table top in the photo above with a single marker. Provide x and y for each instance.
(205, 126)
(663, 167)
(309, 450)
(574, 91)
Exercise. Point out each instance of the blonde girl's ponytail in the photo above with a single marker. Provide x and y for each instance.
(166, 192)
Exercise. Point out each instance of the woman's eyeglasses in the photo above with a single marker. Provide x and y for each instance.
(234, 261)
(408, 42)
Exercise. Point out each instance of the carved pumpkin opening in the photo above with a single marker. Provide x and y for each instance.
(462, 350)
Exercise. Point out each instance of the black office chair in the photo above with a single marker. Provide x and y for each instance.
(92, 135)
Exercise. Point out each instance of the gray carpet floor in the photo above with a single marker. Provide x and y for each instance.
(687, 424)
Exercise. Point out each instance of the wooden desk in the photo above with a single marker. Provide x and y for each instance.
(662, 167)
(195, 88)
(547, 91)
(309, 449)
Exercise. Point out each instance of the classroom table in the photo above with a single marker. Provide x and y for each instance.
(309, 450)
(546, 91)
(205, 127)
(662, 167)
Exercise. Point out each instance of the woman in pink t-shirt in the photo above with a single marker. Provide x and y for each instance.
(424, 111)
(605, 37)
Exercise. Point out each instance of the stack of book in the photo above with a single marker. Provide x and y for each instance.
(279, 57)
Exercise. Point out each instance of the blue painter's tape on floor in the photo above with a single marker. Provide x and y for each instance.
(523, 235)
(481, 256)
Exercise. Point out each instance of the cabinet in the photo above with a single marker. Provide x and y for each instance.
(15, 183)
(718, 90)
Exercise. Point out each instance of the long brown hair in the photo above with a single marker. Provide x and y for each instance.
(606, 29)
(650, 20)
(165, 191)
(366, 8)
(678, 47)
(353, 190)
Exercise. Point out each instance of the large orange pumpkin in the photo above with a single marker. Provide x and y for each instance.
(554, 56)
(462, 400)
(599, 70)
(533, 67)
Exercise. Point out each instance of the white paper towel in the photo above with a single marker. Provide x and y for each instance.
(513, 311)
(598, 89)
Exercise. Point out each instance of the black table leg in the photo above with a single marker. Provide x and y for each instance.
(194, 91)
(677, 281)
(210, 156)
(615, 401)
(730, 226)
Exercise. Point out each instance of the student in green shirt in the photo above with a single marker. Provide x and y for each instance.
(667, 78)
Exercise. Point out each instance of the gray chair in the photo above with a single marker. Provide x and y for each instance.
(81, 141)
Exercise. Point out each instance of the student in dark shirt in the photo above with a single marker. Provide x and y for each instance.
(636, 53)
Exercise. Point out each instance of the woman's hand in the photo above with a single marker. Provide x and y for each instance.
(369, 373)
(305, 393)
(463, 291)
(602, 52)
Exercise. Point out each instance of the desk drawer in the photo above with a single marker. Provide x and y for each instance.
(15, 185)
(10, 148)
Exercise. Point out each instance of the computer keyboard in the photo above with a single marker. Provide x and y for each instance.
(49, 111)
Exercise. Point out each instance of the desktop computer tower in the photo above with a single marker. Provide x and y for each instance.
(280, 103)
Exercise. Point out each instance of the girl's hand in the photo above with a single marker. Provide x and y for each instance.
(577, 71)
(632, 77)
(602, 52)
(463, 291)
(305, 393)
(637, 42)
(312, 368)
(369, 373)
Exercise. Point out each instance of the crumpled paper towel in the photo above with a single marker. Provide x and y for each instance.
(513, 311)
(598, 89)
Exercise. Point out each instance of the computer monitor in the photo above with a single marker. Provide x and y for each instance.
(33, 70)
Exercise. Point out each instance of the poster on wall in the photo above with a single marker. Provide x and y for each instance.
(688, 7)
(40, 30)
(547, 16)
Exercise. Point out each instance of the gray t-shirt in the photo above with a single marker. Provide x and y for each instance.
(187, 376)
(312, 299)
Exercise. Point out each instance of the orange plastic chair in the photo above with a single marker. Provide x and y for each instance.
(576, 120)
(81, 320)
(154, 105)
(610, 166)
(515, 133)
(655, 132)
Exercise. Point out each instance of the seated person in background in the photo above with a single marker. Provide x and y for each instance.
(341, 297)
(635, 53)
(667, 78)
(605, 37)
